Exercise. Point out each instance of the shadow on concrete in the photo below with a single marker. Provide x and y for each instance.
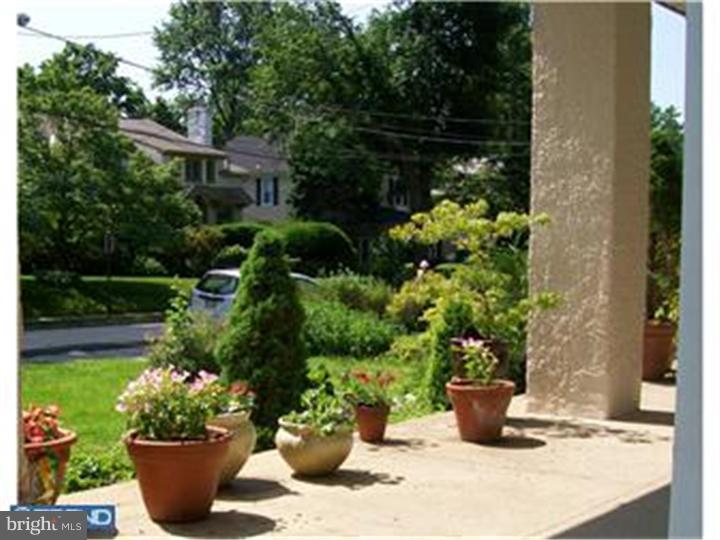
(252, 489)
(658, 418)
(224, 524)
(645, 517)
(517, 442)
(402, 445)
(352, 479)
(566, 429)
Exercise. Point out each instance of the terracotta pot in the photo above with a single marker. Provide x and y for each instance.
(372, 422)
(309, 453)
(658, 350)
(480, 410)
(242, 442)
(48, 462)
(498, 348)
(178, 479)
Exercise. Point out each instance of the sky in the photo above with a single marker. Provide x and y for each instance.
(85, 17)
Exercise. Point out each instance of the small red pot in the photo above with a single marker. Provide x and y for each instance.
(48, 461)
(658, 349)
(372, 422)
(179, 479)
(480, 411)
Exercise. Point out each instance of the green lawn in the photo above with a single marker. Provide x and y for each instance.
(96, 296)
(86, 392)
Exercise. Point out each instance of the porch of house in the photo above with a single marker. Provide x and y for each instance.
(550, 476)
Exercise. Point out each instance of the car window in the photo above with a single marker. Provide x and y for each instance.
(218, 284)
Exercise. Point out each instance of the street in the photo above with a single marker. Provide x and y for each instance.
(88, 341)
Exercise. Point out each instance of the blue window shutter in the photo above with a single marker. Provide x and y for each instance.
(258, 192)
(276, 190)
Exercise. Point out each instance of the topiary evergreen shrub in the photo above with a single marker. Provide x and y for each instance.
(320, 247)
(454, 320)
(263, 342)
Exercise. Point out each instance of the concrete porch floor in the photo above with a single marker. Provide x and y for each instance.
(549, 477)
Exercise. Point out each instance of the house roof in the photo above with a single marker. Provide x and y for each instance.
(149, 133)
(247, 154)
(219, 194)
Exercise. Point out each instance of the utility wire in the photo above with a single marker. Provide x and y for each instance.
(429, 138)
(70, 42)
(118, 35)
(413, 116)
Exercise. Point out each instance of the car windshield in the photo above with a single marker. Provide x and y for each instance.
(218, 284)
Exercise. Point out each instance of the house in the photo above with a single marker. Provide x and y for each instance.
(264, 175)
(219, 197)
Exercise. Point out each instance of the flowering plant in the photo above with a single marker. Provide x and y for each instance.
(40, 424)
(478, 360)
(165, 404)
(367, 388)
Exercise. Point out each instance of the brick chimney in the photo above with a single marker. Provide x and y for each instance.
(199, 124)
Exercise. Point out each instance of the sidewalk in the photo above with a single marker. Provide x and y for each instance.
(549, 477)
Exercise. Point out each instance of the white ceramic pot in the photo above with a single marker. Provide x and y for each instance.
(309, 453)
(242, 442)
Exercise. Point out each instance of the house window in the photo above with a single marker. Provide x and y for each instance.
(397, 194)
(210, 171)
(193, 170)
(267, 191)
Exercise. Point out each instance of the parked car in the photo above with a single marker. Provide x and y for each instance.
(216, 290)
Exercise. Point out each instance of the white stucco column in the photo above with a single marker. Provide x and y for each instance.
(687, 483)
(590, 173)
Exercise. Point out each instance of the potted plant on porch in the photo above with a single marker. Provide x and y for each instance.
(316, 440)
(232, 407)
(177, 457)
(368, 393)
(480, 401)
(47, 448)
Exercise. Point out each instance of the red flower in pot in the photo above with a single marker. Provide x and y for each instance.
(368, 393)
(47, 448)
(479, 400)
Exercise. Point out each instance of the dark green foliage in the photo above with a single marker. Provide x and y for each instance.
(364, 293)
(230, 257)
(263, 340)
(320, 247)
(97, 296)
(456, 319)
(241, 233)
(334, 329)
(88, 470)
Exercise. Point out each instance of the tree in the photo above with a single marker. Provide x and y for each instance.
(405, 85)
(80, 179)
(262, 344)
(206, 50)
(666, 176)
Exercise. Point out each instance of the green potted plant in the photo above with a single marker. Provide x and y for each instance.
(231, 408)
(479, 400)
(177, 457)
(316, 440)
(47, 448)
(368, 394)
(660, 328)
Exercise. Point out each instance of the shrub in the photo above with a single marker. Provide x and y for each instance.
(87, 470)
(364, 293)
(202, 244)
(334, 329)
(320, 247)
(189, 339)
(413, 348)
(263, 341)
(454, 320)
(241, 233)
(415, 297)
(148, 266)
(230, 257)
